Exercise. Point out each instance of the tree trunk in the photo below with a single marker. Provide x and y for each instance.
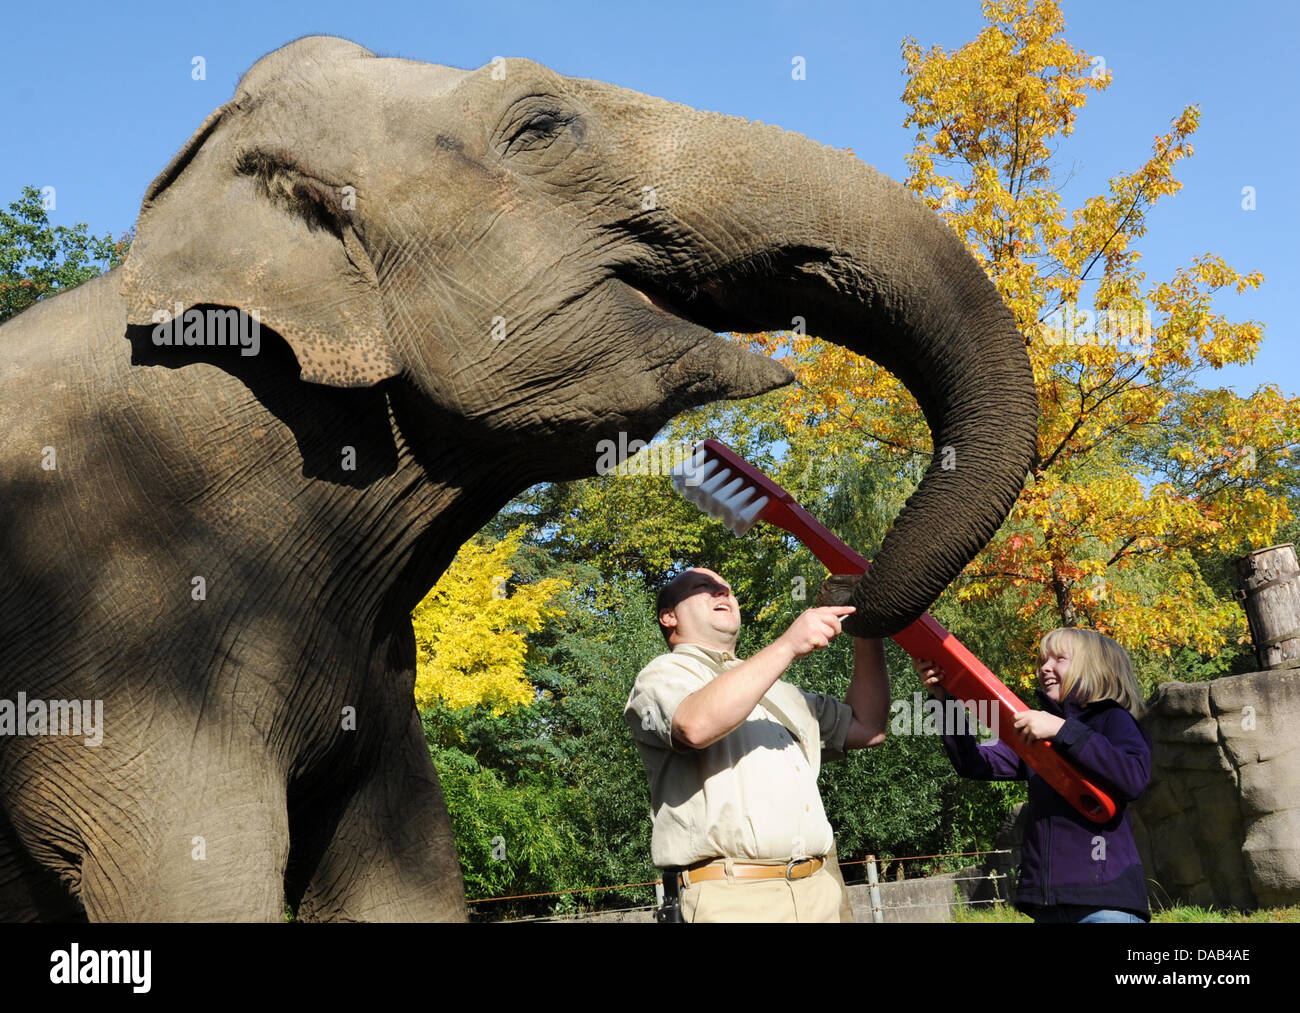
(1269, 589)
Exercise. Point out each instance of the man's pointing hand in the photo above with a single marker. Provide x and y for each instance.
(815, 628)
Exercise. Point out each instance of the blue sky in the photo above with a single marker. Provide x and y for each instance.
(100, 97)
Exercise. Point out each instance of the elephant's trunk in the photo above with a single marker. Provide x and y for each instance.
(795, 229)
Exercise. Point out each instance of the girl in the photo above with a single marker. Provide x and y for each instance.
(1072, 870)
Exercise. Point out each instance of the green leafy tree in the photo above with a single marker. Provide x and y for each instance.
(551, 797)
(470, 631)
(38, 259)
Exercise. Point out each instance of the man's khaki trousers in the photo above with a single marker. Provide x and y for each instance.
(821, 897)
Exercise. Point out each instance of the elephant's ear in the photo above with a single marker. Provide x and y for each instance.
(242, 227)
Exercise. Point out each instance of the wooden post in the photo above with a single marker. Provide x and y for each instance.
(1269, 589)
(873, 885)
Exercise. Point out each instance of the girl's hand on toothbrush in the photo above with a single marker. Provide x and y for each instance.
(1038, 726)
(932, 677)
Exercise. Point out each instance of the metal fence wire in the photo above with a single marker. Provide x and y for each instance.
(872, 866)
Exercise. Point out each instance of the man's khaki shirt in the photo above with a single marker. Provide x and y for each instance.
(753, 793)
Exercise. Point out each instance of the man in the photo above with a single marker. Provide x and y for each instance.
(732, 754)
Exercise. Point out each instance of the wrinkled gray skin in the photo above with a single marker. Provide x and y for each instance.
(475, 198)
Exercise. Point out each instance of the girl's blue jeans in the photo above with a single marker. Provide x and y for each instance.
(1082, 913)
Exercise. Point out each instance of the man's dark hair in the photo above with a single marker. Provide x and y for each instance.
(666, 601)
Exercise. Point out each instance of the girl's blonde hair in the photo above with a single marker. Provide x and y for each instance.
(1099, 668)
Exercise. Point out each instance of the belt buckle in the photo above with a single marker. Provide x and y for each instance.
(789, 866)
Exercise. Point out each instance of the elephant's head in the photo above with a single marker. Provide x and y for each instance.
(549, 258)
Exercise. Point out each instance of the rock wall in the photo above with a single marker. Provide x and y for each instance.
(1220, 822)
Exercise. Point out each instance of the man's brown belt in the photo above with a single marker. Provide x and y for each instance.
(716, 868)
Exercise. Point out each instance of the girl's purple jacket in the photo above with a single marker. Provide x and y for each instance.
(1066, 858)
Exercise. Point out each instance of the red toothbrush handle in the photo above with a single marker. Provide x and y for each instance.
(965, 676)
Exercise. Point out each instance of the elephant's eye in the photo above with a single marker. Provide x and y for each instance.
(538, 130)
(543, 123)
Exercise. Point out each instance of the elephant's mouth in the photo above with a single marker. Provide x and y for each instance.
(657, 301)
(683, 362)
(674, 304)
(702, 305)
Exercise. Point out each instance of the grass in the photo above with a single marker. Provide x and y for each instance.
(984, 913)
(1193, 913)
(1180, 913)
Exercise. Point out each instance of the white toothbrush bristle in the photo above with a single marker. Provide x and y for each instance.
(704, 481)
(702, 473)
(689, 476)
(722, 496)
(733, 503)
(746, 517)
(711, 485)
(683, 475)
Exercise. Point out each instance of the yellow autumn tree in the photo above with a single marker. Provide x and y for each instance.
(470, 629)
(1141, 468)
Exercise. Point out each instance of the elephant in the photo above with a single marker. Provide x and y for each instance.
(367, 303)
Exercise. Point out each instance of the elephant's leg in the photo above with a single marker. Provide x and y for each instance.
(211, 844)
(392, 856)
(29, 891)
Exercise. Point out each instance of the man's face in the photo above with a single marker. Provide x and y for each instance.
(706, 611)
